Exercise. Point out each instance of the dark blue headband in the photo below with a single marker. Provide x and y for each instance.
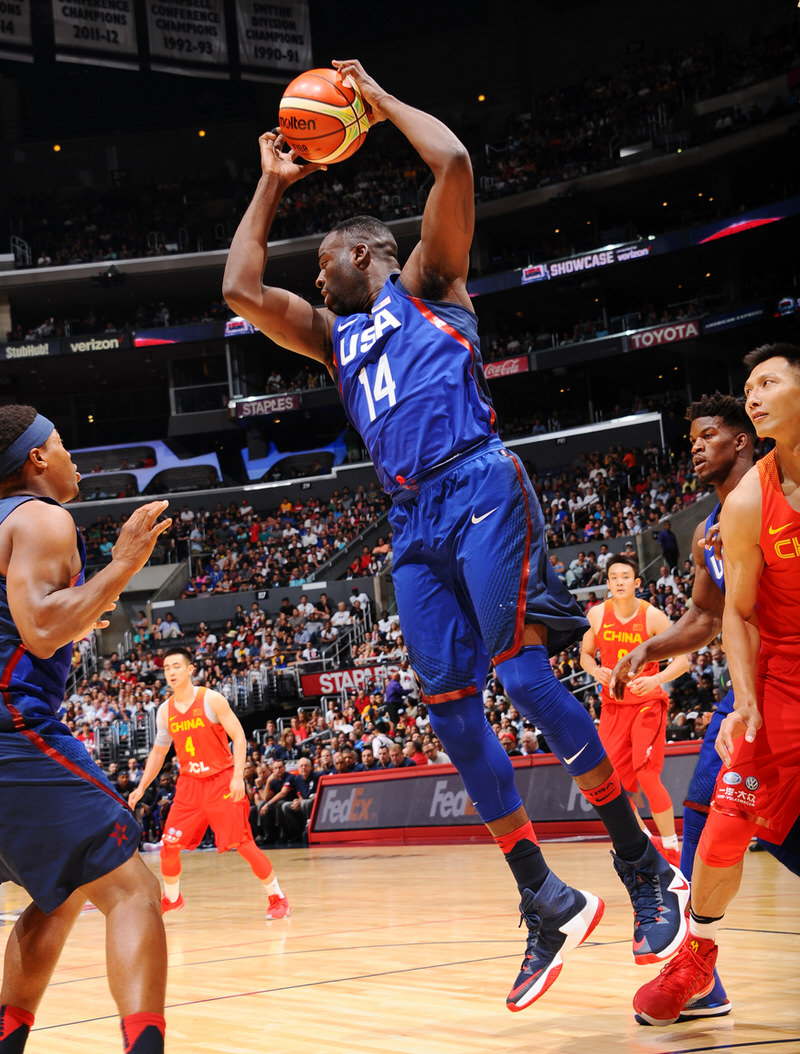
(36, 434)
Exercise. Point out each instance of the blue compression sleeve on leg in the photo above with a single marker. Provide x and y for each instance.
(535, 691)
(476, 752)
(693, 824)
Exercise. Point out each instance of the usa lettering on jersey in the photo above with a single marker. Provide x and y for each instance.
(360, 341)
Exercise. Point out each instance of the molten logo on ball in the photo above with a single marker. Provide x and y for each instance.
(297, 124)
(322, 117)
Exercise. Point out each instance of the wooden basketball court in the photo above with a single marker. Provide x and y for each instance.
(412, 951)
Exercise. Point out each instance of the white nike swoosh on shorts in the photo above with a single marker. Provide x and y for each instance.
(568, 761)
(477, 519)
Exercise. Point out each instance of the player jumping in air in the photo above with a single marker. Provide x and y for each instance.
(471, 574)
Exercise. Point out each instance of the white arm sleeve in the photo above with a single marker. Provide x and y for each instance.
(163, 738)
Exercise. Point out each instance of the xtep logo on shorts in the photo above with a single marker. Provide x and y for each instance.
(477, 519)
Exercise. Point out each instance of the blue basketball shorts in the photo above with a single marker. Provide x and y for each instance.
(470, 569)
(701, 787)
(62, 824)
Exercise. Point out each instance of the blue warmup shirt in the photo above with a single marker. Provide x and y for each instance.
(34, 686)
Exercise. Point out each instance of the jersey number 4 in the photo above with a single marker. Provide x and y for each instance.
(382, 388)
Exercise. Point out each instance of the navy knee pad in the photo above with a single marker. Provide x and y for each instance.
(478, 755)
(536, 692)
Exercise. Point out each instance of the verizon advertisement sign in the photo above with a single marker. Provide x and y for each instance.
(331, 682)
(650, 338)
(506, 367)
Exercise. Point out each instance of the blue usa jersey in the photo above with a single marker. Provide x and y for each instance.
(33, 686)
(714, 562)
(411, 379)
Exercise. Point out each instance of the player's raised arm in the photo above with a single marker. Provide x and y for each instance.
(740, 523)
(283, 316)
(438, 265)
(47, 612)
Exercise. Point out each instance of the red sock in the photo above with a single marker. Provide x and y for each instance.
(143, 1033)
(508, 841)
(15, 1024)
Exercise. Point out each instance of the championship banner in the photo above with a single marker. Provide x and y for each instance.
(267, 404)
(30, 349)
(15, 30)
(186, 35)
(273, 37)
(102, 32)
(651, 338)
(431, 804)
(331, 682)
(506, 367)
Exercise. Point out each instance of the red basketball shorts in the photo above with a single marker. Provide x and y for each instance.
(763, 782)
(634, 737)
(201, 803)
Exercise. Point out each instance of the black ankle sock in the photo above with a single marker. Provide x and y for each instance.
(627, 837)
(143, 1033)
(15, 1027)
(527, 865)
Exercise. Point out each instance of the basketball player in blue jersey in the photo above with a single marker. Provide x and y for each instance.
(722, 437)
(471, 573)
(66, 834)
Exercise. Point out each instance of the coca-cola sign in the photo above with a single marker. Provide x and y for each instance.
(506, 367)
(650, 338)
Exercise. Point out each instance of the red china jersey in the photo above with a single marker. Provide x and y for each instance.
(616, 639)
(202, 746)
(778, 600)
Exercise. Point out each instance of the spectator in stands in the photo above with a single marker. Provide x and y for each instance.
(434, 754)
(170, 630)
(341, 616)
(669, 544)
(268, 799)
(287, 749)
(296, 810)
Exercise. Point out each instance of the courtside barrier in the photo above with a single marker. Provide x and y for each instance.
(428, 804)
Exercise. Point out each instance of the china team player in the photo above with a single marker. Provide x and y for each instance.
(210, 789)
(633, 729)
(757, 791)
(471, 574)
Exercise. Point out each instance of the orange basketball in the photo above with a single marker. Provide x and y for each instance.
(323, 118)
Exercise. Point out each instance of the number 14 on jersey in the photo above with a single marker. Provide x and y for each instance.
(383, 386)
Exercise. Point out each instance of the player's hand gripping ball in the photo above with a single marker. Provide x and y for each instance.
(323, 118)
